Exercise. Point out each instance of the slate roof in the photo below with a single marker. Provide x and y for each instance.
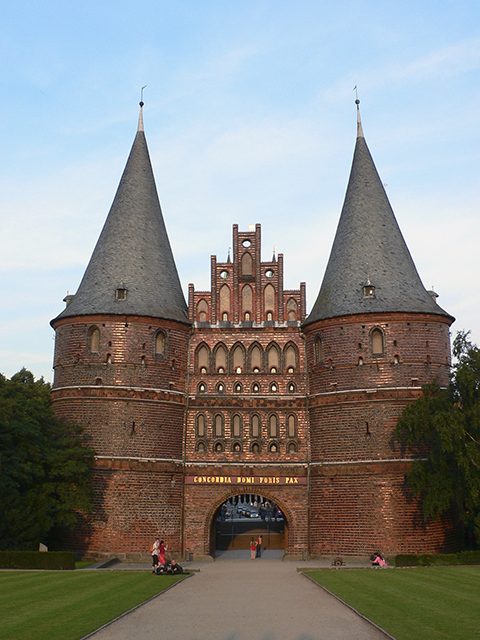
(133, 251)
(369, 246)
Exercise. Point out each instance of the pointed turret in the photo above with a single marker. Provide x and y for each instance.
(132, 269)
(370, 268)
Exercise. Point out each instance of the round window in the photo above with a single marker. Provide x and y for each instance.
(269, 273)
(224, 274)
(246, 244)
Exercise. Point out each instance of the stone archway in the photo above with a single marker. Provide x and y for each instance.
(239, 516)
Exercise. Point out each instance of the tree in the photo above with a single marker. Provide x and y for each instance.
(44, 466)
(444, 426)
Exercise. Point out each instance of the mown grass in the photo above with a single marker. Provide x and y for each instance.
(412, 604)
(66, 605)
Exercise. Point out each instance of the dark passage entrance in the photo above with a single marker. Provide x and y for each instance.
(247, 515)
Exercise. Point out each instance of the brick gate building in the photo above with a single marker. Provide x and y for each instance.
(240, 395)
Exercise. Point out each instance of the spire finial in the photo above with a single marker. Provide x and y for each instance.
(140, 115)
(359, 119)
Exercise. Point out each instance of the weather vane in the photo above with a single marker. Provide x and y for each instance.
(141, 95)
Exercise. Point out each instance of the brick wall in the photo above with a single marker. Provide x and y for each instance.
(356, 509)
(134, 502)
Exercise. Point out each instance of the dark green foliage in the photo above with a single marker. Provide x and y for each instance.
(44, 467)
(37, 560)
(437, 559)
(444, 425)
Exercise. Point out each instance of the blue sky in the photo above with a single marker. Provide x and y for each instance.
(249, 117)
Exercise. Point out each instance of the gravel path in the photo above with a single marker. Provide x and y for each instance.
(243, 600)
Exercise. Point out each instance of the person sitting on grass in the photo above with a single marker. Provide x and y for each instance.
(378, 560)
(175, 568)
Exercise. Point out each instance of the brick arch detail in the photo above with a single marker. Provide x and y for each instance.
(216, 504)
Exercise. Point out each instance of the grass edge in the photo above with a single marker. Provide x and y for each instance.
(334, 595)
(137, 606)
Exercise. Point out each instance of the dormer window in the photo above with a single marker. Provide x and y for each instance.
(368, 289)
(121, 292)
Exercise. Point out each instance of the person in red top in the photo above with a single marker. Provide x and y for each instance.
(161, 553)
(253, 548)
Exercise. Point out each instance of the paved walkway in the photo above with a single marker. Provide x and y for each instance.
(243, 600)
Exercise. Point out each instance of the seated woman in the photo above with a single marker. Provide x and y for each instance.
(378, 560)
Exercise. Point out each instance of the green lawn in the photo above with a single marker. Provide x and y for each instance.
(66, 605)
(412, 604)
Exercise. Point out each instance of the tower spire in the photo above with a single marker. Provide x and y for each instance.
(140, 113)
(132, 269)
(369, 242)
(359, 117)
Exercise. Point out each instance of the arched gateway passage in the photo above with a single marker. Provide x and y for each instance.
(245, 515)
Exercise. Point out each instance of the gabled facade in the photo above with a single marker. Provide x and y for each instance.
(241, 397)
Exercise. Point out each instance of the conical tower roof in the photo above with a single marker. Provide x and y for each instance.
(132, 269)
(370, 268)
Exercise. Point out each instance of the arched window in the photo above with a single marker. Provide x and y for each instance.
(255, 426)
(218, 447)
(290, 355)
(247, 265)
(202, 358)
(318, 349)
(292, 310)
(274, 387)
(218, 426)
(202, 311)
(201, 448)
(237, 426)
(224, 302)
(247, 300)
(256, 359)
(291, 387)
(376, 342)
(201, 426)
(269, 301)
(255, 387)
(291, 426)
(292, 447)
(273, 447)
(238, 359)
(202, 388)
(238, 387)
(255, 447)
(94, 339)
(273, 358)
(160, 343)
(273, 426)
(237, 447)
(220, 388)
(220, 359)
